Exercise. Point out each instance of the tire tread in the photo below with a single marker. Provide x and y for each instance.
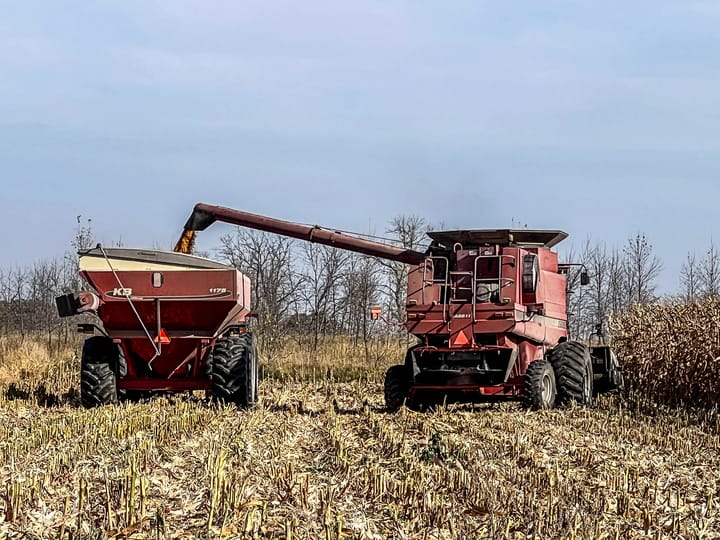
(532, 395)
(98, 379)
(396, 387)
(232, 368)
(572, 363)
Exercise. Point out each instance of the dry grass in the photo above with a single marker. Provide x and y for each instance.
(29, 364)
(338, 359)
(671, 353)
(319, 459)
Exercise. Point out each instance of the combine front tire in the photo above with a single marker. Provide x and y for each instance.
(540, 388)
(573, 373)
(233, 369)
(397, 387)
(98, 372)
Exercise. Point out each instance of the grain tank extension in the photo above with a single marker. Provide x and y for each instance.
(488, 308)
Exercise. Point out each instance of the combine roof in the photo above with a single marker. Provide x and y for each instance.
(504, 237)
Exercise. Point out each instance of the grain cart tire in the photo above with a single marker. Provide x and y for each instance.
(99, 365)
(233, 370)
(573, 373)
(397, 387)
(540, 389)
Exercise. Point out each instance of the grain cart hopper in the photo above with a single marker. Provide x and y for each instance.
(488, 308)
(167, 322)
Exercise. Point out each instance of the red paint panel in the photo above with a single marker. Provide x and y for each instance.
(190, 300)
(191, 284)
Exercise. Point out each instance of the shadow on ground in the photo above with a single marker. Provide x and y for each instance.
(41, 396)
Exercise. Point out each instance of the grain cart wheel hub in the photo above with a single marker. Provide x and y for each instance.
(540, 388)
(573, 373)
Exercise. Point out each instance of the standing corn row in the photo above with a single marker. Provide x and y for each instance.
(671, 352)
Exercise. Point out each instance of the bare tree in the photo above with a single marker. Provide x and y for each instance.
(15, 295)
(576, 296)
(599, 307)
(84, 239)
(84, 236)
(613, 284)
(6, 298)
(710, 273)
(409, 231)
(619, 289)
(361, 290)
(643, 269)
(606, 294)
(269, 262)
(324, 268)
(690, 278)
(45, 283)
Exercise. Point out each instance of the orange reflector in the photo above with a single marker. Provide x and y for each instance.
(461, 339)
(164, 339)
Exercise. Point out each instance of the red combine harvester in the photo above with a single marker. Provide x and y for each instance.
(169, 322)
(489, 310)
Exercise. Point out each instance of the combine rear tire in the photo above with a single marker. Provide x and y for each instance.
(98, 372)
(573, 373)
(540, 389)
(233, 370)
(397, 387)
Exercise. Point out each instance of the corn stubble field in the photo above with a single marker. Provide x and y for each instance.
(318, 458)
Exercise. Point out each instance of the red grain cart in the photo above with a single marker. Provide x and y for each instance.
(167, 322)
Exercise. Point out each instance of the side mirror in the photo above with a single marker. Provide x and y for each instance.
(584, 279)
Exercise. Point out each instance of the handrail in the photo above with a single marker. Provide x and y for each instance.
(501, 281)
(434, 281)
(157, 347)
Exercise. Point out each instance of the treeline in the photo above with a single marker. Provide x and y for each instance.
(619, 278)
(625, 277)
(27, 294)
(309, 292)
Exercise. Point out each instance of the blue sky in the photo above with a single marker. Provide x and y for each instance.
(600, 118)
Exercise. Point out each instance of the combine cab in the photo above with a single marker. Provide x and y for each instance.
(166, 322)
(488, 308)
